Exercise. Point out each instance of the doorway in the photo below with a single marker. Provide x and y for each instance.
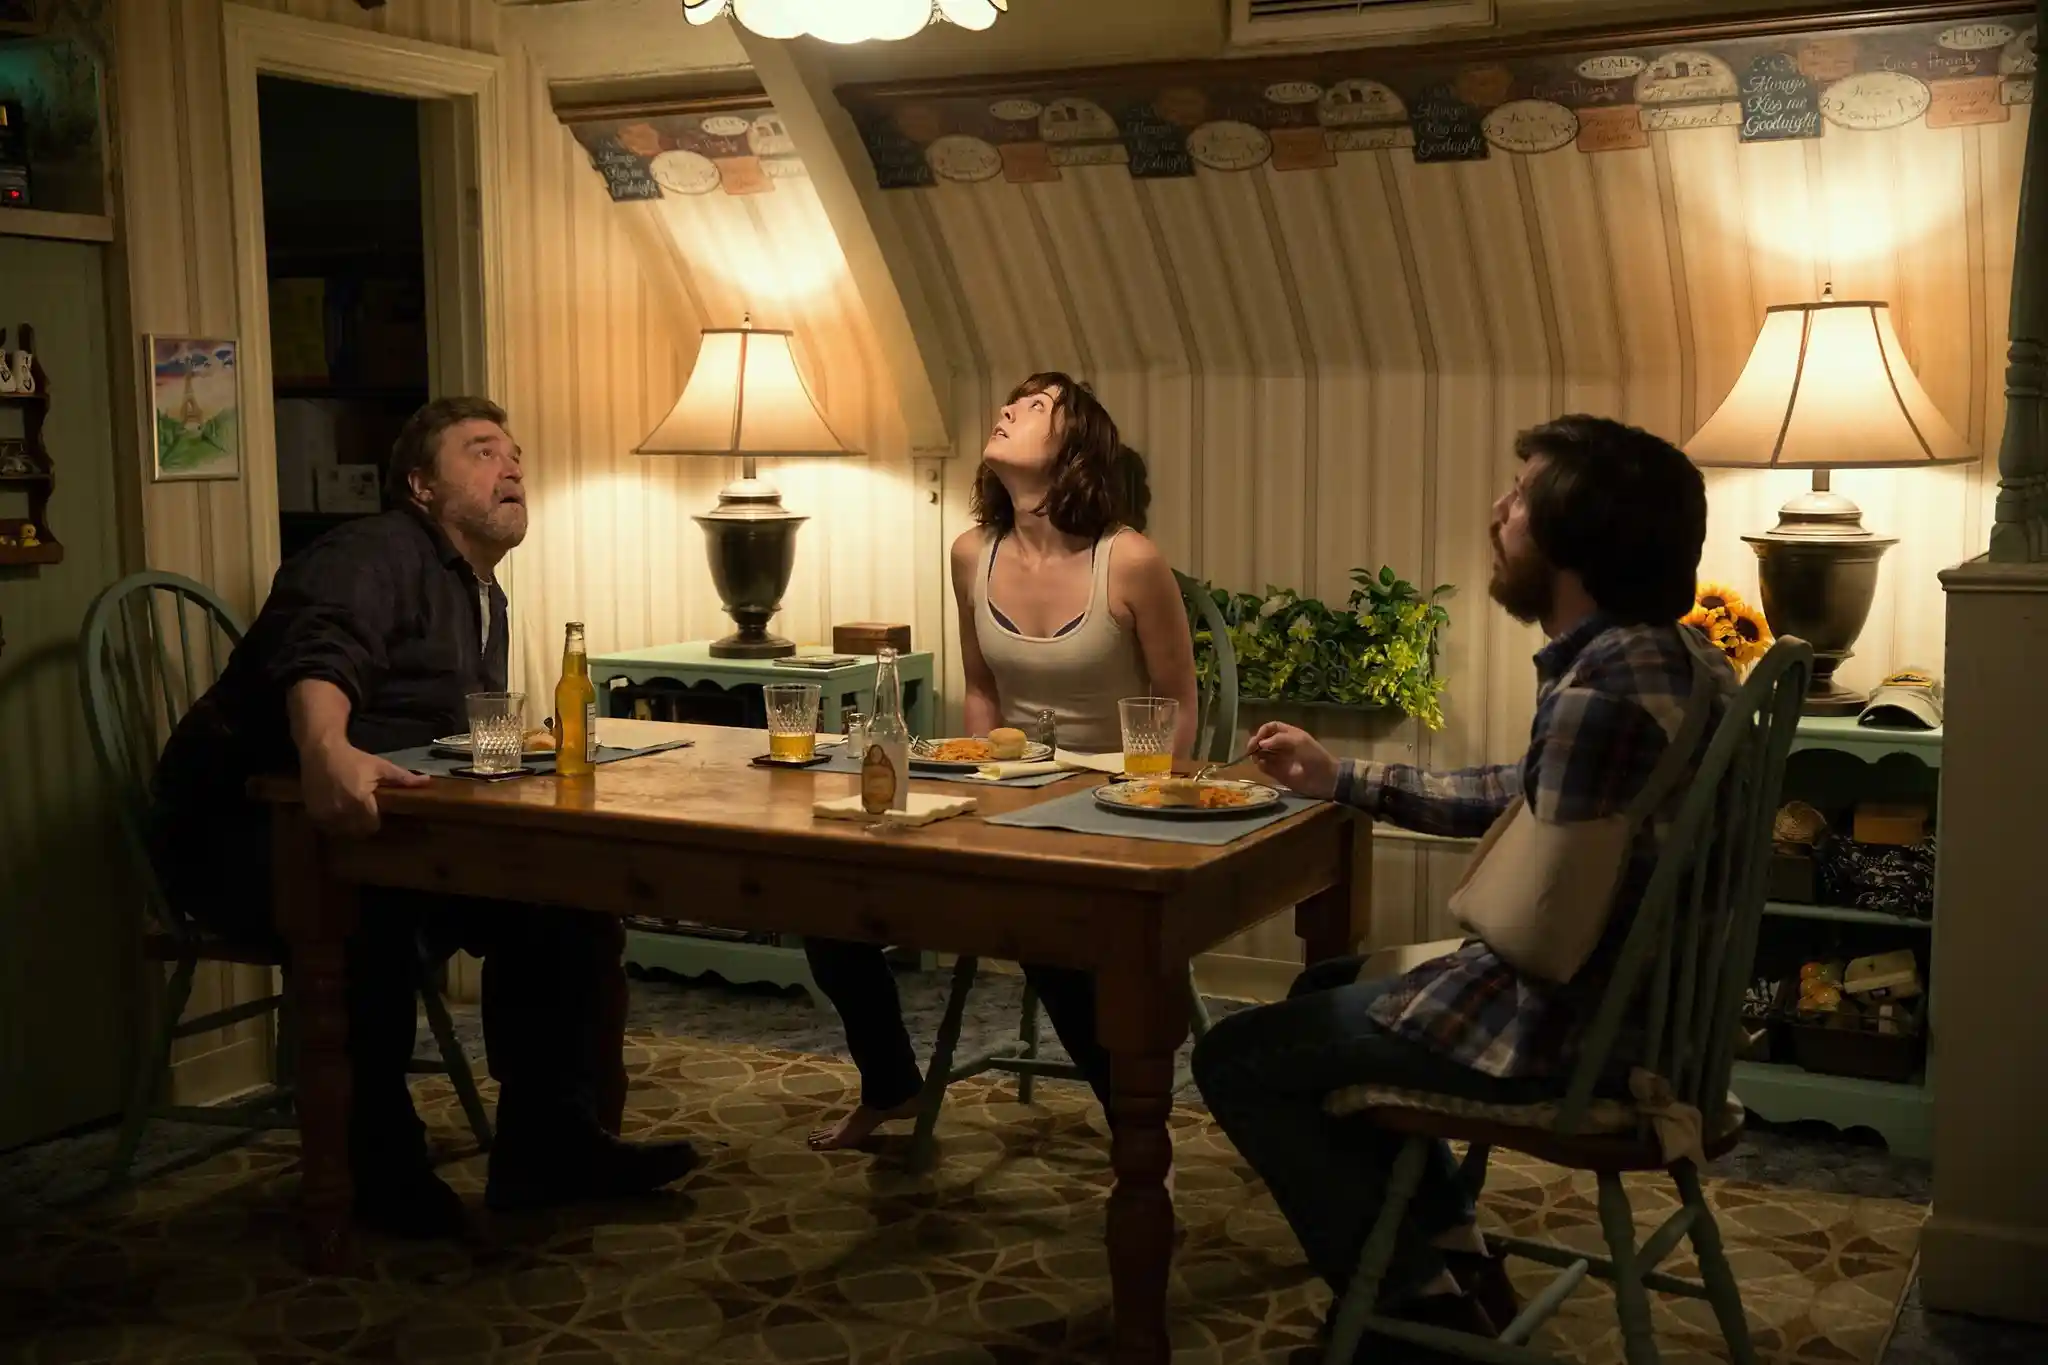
(345, 260)
(454, 95)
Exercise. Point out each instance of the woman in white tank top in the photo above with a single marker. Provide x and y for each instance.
(1064, 604)
(1066, 607)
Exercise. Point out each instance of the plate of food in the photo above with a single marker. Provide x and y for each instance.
(1003, 745)
(1185, 798)
(536, 744)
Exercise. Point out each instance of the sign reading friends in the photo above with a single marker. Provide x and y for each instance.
(1301, 112)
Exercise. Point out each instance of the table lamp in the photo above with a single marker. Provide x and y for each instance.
(1827, 387)
(746, 398)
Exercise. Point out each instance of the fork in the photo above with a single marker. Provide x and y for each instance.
(1204, 773)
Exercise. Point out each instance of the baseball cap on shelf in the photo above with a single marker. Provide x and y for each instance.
(1909, 699)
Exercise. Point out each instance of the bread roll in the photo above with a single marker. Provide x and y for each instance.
(538, 739)
(1179, 791)
(1007, 743)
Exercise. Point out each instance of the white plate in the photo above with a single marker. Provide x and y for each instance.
(1033, 753)
(458, 746)
(1115, 796)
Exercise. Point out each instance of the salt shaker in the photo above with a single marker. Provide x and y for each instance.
(1048, 733)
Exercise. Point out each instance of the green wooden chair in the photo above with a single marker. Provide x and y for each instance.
(1679, 979)
(152, 644)
(1216, 737)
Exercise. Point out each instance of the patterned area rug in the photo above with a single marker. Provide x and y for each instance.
(773, 1253)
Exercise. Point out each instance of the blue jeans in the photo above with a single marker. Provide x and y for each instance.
(1265, 1072)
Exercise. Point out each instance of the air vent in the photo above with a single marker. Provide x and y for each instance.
(1343, 23)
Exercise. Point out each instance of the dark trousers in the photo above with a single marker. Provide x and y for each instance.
(1265, 1072)
(554, 988)
(856, 978)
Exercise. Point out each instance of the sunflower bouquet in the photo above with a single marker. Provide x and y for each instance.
(1730, 624)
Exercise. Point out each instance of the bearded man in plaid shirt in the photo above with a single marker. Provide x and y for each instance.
(1598, 541)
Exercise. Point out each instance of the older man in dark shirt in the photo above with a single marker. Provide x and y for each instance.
(370, 641)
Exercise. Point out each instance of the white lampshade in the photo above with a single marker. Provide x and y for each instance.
(745, 397)
(1827, 386)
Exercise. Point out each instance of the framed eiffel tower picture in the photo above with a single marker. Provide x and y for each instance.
(195, 391)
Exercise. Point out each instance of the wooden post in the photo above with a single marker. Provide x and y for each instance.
(2019, 530)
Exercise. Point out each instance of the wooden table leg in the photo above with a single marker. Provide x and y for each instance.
(1142, 1018)
(1335, 921)
(611, 1042)
(316, 916)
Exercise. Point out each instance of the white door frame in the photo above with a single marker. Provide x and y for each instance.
(462, 159)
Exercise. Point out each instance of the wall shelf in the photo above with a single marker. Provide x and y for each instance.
(30, 556)
(39, 479)
(65, 227)
(1844, 914)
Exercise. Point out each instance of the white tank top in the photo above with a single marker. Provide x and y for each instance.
(1079, 675)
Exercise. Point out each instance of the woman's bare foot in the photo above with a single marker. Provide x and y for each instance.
(856, 1127)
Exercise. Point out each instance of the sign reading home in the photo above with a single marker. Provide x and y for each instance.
(1302, 112)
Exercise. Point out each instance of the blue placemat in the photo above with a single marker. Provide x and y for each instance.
(427, 759)
(843, 762)
(1081, 814)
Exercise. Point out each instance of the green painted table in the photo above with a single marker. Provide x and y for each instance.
(1835, 759)
(735, 959)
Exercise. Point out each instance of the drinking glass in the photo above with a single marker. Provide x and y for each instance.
(792, 720)
(497, 730)
(1148, 725)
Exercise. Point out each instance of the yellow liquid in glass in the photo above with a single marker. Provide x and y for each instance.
(1147, 765)
(792, 747)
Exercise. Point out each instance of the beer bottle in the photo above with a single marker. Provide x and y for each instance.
(575, 708)
(885, 763)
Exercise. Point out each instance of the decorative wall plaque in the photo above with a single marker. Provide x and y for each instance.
(1614, 129)
(1685, 78)
(742, 151)
(1531, 126)
(683, 172)
(1778, 100)
(1957, 104)
(1229, 146)
(1871, 100)
(1260, 115)
(959, 157)
(1446, 128)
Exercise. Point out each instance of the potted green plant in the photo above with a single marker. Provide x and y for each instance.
(1377, 652)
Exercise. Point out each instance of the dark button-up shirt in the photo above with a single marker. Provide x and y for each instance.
(387, 610)
(1610, 697)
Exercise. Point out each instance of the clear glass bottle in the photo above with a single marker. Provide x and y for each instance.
(885, 759)
(575, 708)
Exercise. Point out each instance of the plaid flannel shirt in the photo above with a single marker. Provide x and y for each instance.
(1597, 734)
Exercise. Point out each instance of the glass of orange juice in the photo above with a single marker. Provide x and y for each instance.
(1148, 725)
(792, 720)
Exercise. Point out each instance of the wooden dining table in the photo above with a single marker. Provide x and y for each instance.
(700, 834)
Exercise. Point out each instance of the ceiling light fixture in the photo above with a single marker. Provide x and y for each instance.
(846, 21)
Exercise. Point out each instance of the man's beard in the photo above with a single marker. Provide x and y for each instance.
(1523, 587)
(500, 524)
